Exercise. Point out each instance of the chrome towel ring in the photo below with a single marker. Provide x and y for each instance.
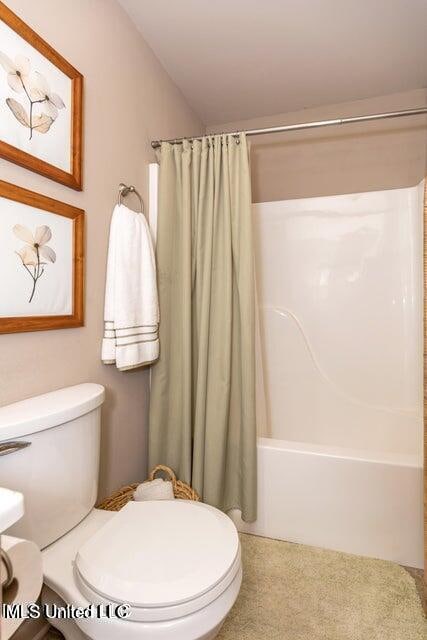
(125, 190)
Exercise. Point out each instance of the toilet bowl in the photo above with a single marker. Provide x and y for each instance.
(156, 570)
(175, 565)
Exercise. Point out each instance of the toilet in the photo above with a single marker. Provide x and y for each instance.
(156, 570)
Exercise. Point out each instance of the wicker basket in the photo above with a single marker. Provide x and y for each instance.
(121, 497)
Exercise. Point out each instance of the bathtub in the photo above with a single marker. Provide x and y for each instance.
(342, 499)
(340, 373)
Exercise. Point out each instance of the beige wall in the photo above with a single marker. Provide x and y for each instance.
(129, 99)
(347, 159)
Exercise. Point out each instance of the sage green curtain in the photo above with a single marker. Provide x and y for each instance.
(202, 407)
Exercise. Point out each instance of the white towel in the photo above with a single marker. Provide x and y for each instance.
(157, 489)
(131, 314)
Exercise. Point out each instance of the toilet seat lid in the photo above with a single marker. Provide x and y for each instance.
(159, 553)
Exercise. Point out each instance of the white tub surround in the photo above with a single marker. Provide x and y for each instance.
(340, 305)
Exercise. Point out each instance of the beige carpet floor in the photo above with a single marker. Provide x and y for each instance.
(295, 592)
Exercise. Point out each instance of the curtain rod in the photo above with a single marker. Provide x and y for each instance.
(308, 125)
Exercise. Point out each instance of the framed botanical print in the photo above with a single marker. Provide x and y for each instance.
(41, 262)
(40, 104)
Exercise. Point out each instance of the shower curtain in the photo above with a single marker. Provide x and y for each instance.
(202, 407)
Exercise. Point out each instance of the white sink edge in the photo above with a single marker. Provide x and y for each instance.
(11, 508)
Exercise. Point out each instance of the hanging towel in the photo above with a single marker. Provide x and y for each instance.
(131, 312)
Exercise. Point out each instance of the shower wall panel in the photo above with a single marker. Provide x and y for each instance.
(340, 309)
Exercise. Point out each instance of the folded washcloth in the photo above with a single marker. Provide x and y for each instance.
(157, 489)
(131, 312)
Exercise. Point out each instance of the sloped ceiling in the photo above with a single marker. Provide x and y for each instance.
(237, 59)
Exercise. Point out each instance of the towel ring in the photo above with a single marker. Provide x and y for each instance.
(124, 190)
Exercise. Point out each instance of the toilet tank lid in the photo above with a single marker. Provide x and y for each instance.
(49, 410)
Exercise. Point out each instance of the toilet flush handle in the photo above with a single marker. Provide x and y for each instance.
(12, 446)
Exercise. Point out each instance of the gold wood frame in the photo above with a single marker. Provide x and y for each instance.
(40, 323)
(73, 178)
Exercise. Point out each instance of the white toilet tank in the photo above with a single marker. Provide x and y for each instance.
(49, 450)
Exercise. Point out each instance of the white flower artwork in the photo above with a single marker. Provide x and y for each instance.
(34, 102)
(37, 105)
(36, 253)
